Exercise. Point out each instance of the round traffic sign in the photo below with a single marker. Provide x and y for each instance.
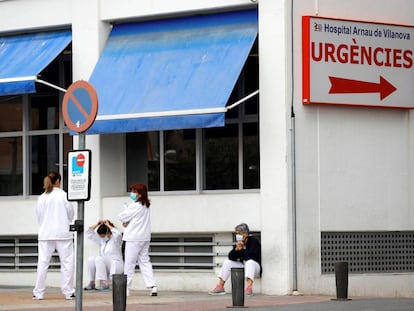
(80, 106)
(80, 160)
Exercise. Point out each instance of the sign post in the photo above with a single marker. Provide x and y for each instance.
(80, 107)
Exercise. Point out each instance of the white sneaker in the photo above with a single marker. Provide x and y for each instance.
(154, 291)
(37, 298)
(70, 297)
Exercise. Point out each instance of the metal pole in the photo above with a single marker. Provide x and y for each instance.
(79, 242)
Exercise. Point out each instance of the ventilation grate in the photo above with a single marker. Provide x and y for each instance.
(368, 252)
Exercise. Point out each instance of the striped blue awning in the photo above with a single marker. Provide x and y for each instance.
(23, 57)
(171, 74)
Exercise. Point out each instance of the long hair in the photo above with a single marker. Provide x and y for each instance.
(50, 180)
(142, 190)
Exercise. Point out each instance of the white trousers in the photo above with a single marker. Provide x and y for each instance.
(102, 268)
(251, 269)
(138, 253)
(65, 251)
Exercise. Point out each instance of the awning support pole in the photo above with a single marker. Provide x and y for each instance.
(50, 85)
(242, 100)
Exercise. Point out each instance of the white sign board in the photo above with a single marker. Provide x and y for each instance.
(79, 175)
(357, 63)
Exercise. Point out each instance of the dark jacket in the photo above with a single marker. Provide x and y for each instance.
(252, 250)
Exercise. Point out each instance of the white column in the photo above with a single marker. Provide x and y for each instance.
(274, 77)
(89, 35)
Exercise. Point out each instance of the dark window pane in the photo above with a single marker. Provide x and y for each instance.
(179, 160)
(44, 153)
(11, 166)
(221, 158)
(142, 159)
(11, 114)
(251, 166)
(44, 112)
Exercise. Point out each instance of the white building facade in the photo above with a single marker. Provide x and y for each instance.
(321, 177)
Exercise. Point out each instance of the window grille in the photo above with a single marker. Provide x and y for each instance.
(20, 254)
(166, 251)
(368, 252)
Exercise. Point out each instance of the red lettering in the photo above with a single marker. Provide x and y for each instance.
(314, 57)
(342, 53)
(329, 52)
(354, 54)
(377, 60)
(397, 57)
(408, 58)
(387, 57)
(366, 55)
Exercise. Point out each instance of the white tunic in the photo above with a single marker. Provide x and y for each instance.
(139, 222)
(54, 215)
(112, 248)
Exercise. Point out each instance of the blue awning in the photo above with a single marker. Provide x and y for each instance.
(23, 57)
(171, 74)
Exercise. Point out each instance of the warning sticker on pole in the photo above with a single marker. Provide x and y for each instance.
(79, 175)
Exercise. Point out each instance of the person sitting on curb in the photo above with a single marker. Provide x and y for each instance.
(245, 253)
(109, 262)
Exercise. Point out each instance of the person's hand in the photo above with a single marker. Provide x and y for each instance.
(239, 245)
(108, 224)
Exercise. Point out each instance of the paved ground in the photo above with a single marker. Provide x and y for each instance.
(20, 298)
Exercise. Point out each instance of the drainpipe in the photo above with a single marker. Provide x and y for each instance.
(295, 291)
(293, 202)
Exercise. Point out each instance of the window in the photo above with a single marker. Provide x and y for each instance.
(179, 160)
(223, 158)
(33, 138)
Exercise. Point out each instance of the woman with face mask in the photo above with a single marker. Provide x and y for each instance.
(245, 253)
(137, 236)
(109, 261)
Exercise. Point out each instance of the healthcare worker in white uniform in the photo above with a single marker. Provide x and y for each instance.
(54, 215)
(109, 261)
(137, 235)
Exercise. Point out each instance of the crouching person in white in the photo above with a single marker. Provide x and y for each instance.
(109, 261)
(245, 253)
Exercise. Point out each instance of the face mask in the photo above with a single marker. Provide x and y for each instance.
(133, 196)
(239, 237)
(105, 239)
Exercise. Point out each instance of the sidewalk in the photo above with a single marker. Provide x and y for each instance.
(20, 298)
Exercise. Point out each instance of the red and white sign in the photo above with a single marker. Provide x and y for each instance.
(80, 159)
(357, 63)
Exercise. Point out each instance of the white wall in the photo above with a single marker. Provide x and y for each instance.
(354, 166)
(28, 15)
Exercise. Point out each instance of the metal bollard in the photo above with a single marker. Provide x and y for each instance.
(341, 279)
(119, 283)
(237, 286)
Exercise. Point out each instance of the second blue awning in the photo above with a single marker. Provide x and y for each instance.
(171, 74)
(23, 57)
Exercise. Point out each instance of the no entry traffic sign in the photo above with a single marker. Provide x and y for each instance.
(358, 63)
(80, 106)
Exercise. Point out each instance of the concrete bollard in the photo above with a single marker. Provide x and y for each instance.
(119, 292)
(341, 280)
(237, 286)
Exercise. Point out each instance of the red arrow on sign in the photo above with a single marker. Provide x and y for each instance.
(341, 86)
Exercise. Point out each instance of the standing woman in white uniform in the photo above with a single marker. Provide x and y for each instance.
(137, 236)
(109, 261)
(54, 215)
